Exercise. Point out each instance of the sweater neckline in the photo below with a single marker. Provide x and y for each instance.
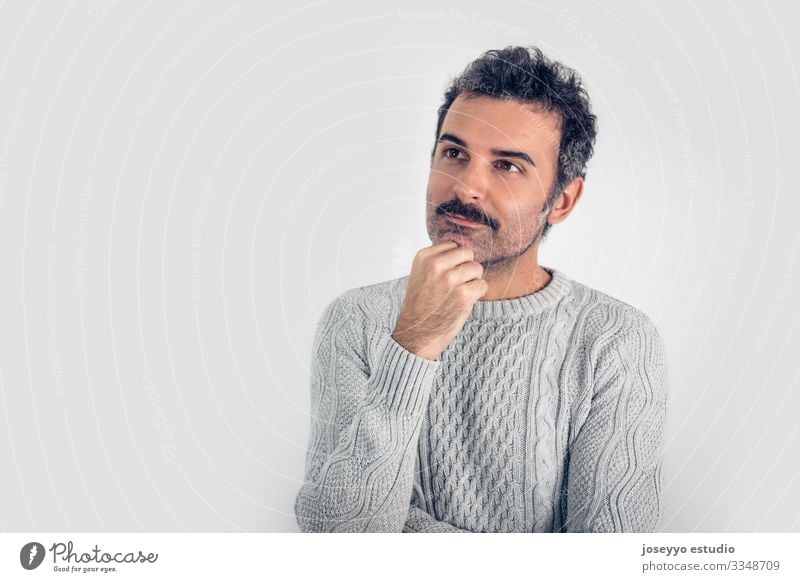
(532, 303)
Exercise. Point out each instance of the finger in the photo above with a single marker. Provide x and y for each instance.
(477, 288)
(439, 248)
(467, 272)
(453, 257)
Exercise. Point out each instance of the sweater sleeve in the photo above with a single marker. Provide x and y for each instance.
(420, 521)
(365, 423)
(614, 471)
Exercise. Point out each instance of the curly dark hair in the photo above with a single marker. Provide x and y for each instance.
(526, 75)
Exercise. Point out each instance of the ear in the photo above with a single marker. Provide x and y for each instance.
(566, 202)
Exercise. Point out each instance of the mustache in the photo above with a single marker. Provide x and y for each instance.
(455, 208)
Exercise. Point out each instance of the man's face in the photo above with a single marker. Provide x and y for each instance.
(494, 163)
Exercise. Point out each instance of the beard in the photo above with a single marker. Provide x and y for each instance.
(491, 250)
(500, 262)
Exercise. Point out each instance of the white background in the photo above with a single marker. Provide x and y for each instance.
(184, 186)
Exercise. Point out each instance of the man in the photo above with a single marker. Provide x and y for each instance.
(483, 392)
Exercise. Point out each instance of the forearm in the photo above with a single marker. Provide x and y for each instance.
(419, 521)
(364, 483)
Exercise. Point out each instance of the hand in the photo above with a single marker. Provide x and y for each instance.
(443, 286)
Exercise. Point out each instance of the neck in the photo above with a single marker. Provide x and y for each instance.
(515, 277)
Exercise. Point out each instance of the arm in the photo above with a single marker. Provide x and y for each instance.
(420, 521)
(614, 479)
(364, 427)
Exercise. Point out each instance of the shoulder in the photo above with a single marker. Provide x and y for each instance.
(615, 335)
(624, 340)
(605, 317)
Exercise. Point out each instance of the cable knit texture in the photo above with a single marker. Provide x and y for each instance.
(545, 414)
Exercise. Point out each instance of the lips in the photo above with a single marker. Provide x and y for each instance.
(460, 221)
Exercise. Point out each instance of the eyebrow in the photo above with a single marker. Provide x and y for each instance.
(502, 153)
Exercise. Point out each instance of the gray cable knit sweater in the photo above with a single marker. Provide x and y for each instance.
(546, 413)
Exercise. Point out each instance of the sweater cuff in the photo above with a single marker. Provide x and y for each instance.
(401, 378)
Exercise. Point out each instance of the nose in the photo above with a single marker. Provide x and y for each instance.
(471, 183)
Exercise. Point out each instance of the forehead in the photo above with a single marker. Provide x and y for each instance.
(486, 122)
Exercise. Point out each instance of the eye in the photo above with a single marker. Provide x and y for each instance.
(451, 153)
(507, 166)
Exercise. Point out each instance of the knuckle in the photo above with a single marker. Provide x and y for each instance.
(463, 293)
(435, 267)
